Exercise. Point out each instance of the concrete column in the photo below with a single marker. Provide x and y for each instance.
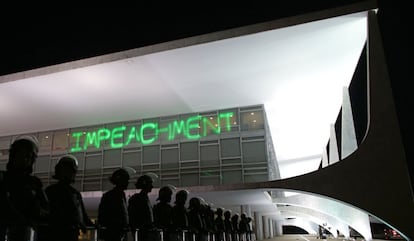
(278, 228)
(266, 227)
(258, 226)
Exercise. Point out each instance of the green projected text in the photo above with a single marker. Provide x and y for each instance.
(192, 128)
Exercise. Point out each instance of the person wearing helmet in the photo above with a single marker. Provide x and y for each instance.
(23, 203)
(162, 211)
(235, 224)
(179, 215)
(228, 227)
(195, 219)
(219, 224)
(243, 229)
(140, 209)
(112, 210)
(67, 211)
(208, 217)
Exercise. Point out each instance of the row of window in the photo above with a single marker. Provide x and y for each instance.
(184, 150)
(162, 130)
(98, 179)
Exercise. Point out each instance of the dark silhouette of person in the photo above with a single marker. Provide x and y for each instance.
(219, 224)
(195, 219)
(23, 203)
(208, 216)
(113, 211)
(162, 211)
(235, 225)
(249, 229)
(179, 215)
(67, 211)
(228, 227)
(140, 209)
(243, 229)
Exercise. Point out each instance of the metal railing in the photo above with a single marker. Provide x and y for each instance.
(92, 234)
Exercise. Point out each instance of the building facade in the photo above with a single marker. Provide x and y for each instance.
(193, 149)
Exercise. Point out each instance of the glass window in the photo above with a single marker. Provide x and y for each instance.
(190, 179)
(229, 120)
(231, 161)
(169, 158)
(256, 178)
(189, 151)
(252, 120)
(45, 142)
(209, 155)
(132, 159)
(166, 128)
(175, 182)
(60, 141)
(81, 159)
(112, 158)
(210, 180)
(188, 127)
(256, 169)
(151, 154)
(93, 162)
(91, 186)
(53, 161)
(77, 139)
(107, 133)
(132, 134)
(42, 164)
(234, 176)
(210, 172)
(254, 151)
(149, 131)
(106, 184)
(92, 142)
(209, 124)
(230, 147)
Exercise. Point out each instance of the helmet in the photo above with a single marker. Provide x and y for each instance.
(143, 181)
(227, 214)
(66, 168)
(165, 193)
(30, 138)
(181, 196)
(219, 211)
(23, 154)
(235, 217)
(195, 203)
(119, 177)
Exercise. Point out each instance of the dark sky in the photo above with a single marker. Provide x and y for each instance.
(41, 38)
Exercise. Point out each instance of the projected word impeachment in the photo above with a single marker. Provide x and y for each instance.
(192, 128)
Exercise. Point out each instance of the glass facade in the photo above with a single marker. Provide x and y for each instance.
(209, 148)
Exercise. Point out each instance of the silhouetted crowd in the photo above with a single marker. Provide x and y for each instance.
(28, 211)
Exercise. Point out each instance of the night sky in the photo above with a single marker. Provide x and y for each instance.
(42, 38)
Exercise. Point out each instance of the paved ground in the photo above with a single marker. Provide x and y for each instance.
(299, 237)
